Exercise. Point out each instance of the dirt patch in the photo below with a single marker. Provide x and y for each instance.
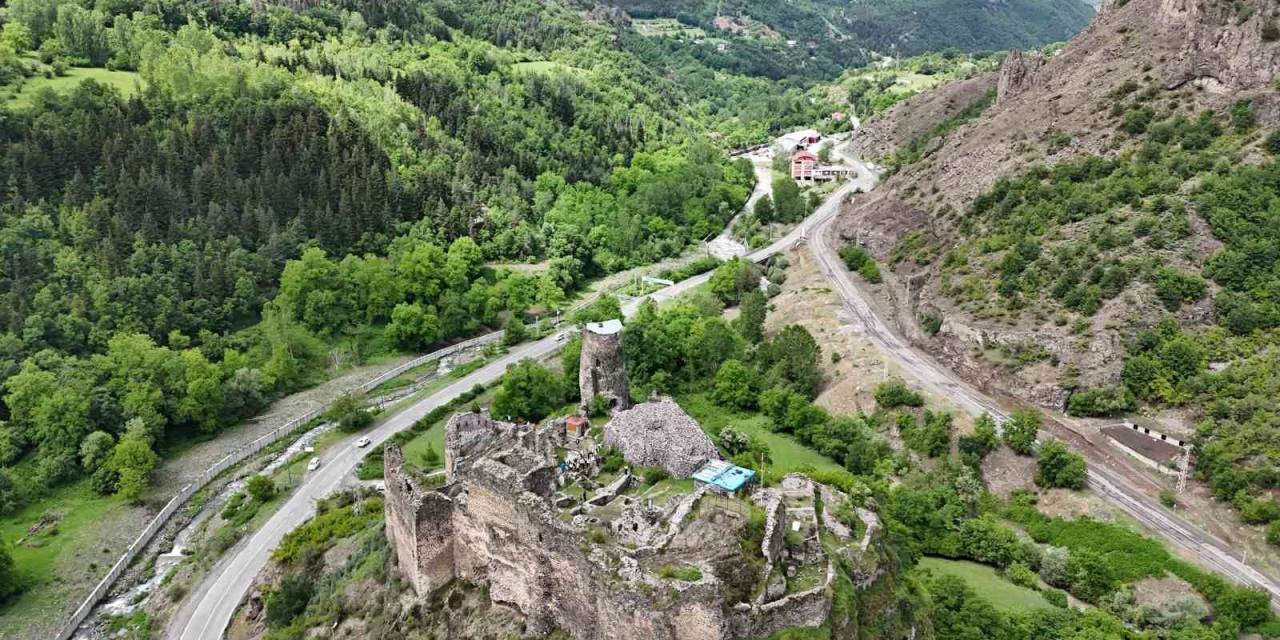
(1066, 504)
(1162, 593)
(1006, 471)
(807, 300)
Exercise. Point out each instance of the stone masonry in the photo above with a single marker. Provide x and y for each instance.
(494, 524)
(660, 434)
(602, 370)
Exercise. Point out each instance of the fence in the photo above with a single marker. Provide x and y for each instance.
(237, 456)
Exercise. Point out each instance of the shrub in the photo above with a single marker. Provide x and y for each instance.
(261, 488)
(350, 412)
(930, 323)
(870, 272)
(987, 541)
(1022, 575)
(1020, 431)
(289, 601)
(1101, 401)
(895, 393)
(1273, 533)
(1272, 142)
(1168, 498)
(1056, 466)
(1242, 118)
(1270, 32)
(1056, 597)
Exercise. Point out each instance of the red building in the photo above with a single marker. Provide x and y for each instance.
(806, 168)
(803, 165)
(576, 426)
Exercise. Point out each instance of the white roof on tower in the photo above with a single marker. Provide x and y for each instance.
(608, 327)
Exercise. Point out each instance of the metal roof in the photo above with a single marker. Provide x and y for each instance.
(608, 327)
(729, 477)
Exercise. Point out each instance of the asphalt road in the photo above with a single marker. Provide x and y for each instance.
(205, 613)
(1116, 487)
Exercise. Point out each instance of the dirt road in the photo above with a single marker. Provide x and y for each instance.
(1114, 480)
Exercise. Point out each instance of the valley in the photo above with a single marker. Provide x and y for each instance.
(596, 318)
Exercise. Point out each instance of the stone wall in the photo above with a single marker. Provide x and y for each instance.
(419, 526)
(602, 370)
(494, 525)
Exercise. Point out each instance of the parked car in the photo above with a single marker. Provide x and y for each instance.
(314, 464)
(363, 442)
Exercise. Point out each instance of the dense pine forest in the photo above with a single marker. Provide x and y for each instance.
(327, 168)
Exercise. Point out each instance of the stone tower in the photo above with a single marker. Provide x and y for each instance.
(602, 371)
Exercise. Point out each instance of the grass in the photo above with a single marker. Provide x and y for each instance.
(126, 82)
(1001, 593)
(668, 27)
(543, 66)
(686, 573)
(788, 454)
(48, 561)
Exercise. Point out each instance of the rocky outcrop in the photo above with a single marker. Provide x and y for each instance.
(495, 524)
(660, 434)
(1017, 74)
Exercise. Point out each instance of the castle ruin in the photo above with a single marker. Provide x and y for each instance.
(602, 371)
(529, 515)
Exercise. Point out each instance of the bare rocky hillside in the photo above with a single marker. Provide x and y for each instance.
(1177, 56)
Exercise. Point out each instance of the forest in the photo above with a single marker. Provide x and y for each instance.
(832, 36)
(177, 255)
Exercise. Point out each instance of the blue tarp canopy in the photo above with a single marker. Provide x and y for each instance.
(724, 475)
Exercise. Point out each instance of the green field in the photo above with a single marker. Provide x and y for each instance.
(543, 66)
(61, 558)
(1001, 593)
(127, 82)
(666, 27)
(788, 454)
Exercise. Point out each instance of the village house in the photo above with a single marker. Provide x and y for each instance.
(805, 167)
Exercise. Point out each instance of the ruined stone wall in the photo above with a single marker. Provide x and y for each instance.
(602, 370)
(419, 526)
(465, 435)
(805, 609)
(494, 525)
(531, 560)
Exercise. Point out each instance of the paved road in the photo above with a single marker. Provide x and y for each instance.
(1116, 487)
(207, 611)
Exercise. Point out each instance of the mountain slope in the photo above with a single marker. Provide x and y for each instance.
(828, 35)
(1103, 231)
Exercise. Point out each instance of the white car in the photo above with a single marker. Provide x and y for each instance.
(363, 442)
(314, 464)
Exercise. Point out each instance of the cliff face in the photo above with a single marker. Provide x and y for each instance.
(1178, 55)
(500, 521)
